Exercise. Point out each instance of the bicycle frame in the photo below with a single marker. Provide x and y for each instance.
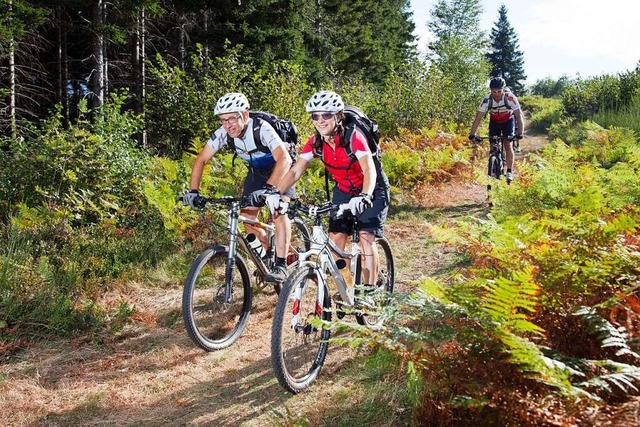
(234, 218)
(322, 248)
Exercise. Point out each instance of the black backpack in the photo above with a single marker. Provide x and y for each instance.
(355, 118)
(285, 129)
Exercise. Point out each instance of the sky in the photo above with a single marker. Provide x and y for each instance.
(584, 38)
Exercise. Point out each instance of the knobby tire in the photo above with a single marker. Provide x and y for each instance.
(299, 347)
(211, 323)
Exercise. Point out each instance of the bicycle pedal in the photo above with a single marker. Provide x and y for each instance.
(337, 300)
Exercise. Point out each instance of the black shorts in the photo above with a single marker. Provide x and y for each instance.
(257, 178)
(371, 220)
(506, 130)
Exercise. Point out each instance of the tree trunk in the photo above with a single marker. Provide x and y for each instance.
(97, 76)
(63, 66)
(12, 80)
(206, 35)
(139, 67)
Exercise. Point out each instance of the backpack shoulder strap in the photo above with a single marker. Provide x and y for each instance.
(257, 124)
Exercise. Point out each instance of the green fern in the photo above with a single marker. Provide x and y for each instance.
(507, 299)
(609, 335)
(621, 375)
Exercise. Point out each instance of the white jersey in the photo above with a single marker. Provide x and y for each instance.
(502, 110)
(246, 147)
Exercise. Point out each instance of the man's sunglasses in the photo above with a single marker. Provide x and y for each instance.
(325, 116)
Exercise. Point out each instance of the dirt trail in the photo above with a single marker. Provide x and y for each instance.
(152, 375)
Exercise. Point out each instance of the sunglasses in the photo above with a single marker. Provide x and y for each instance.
(325, 116)
(231, 120)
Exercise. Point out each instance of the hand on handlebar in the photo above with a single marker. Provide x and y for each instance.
(275, 204)
(194, 199)
(258, 197)
(474, 138)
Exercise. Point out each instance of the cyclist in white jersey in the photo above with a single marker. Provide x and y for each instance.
(505, 119)
(265, 168)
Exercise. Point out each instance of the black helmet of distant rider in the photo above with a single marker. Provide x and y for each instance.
(497, 83)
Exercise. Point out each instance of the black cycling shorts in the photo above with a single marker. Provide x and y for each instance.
(257, 178)
(371, 220)
(506, 130)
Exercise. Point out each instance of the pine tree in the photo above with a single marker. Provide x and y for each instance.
(505, 57)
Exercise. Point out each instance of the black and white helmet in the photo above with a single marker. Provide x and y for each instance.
(233, 102)
(325, 100)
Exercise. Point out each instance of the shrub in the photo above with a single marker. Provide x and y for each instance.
(544, 112)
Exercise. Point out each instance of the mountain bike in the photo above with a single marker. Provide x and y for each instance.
(496, 162)
(217, 294)
(299, 338)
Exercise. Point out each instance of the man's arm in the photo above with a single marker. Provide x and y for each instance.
(519, 121)
(283, 164)
(198, 166)
(476, 122)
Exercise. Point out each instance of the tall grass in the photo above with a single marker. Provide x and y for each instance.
(628, 116)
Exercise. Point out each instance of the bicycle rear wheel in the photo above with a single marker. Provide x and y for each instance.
(212, 323)
(378, 298)
(298, 340)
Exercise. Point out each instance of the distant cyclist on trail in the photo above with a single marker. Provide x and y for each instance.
(265, 169)
(505, 119)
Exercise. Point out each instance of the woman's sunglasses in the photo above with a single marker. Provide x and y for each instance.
(325, 116)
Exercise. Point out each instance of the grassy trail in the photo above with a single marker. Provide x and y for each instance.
(150, 374)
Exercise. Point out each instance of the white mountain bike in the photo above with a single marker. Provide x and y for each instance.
(299, 338)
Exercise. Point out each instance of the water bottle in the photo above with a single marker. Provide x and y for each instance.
(256, 245)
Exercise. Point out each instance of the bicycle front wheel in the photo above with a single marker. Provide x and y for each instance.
(211, 322)
(375, 301)
(495, 167)
(298, 339)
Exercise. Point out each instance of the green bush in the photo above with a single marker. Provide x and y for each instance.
(88, 172)
(544, 112)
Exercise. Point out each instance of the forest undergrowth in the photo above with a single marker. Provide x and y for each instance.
(145, 371)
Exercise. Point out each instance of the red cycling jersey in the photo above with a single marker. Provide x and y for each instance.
(345, 171)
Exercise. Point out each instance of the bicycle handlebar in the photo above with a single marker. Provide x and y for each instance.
(479, 138)
(325, 208)
(203, 201)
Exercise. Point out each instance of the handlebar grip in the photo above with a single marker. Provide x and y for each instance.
(200, 202)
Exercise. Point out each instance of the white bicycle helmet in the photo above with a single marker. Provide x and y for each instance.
(325, 100)
(233, 102)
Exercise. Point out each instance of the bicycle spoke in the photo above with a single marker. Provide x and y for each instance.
(299, 342)
(211, 322)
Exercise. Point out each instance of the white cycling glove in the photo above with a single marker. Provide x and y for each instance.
(258, 196)
(189, 198)
(275, 204)
(359, 203)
